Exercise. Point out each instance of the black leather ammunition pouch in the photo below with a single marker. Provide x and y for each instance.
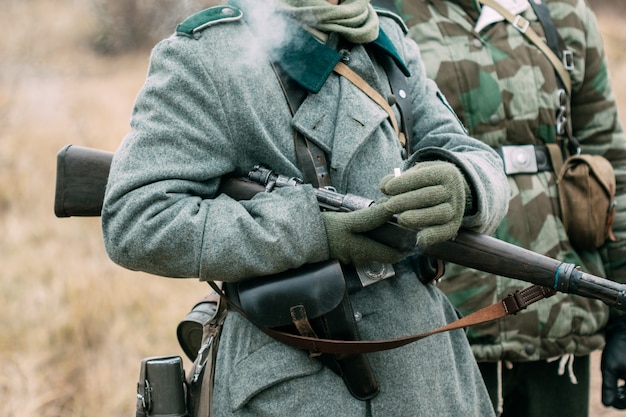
(310, 301)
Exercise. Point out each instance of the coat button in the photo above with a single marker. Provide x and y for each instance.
(529, 349)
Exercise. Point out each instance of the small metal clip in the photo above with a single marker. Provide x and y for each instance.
(345, 56)
(561, 116)
(146, 396)
(202, 360)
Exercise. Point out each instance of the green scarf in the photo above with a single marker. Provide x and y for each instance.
(355, 20)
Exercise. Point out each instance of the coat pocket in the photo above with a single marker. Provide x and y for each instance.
(274, 363)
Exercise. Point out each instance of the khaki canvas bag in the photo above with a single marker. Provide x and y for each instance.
(586, 185)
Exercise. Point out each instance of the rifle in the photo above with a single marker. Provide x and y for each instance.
(82, 175)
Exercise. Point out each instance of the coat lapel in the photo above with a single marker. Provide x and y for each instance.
(336, 115)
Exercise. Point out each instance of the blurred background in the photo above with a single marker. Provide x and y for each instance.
(74, 327)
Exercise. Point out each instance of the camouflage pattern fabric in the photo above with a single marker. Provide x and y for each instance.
(505, 92)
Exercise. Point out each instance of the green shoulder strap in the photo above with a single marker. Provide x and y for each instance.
(208, 17)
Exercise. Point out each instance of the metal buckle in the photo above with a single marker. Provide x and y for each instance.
(374, 272)
(561, 116)
(568, 60)
(520, 23)
(519, 159)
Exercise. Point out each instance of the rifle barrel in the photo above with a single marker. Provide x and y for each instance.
(488, 254)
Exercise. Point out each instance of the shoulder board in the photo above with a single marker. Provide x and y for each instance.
(392, 15)
(208, 17)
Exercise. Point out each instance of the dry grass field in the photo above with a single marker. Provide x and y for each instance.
(74, 326)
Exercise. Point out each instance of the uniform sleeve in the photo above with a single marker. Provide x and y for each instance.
(162, 214)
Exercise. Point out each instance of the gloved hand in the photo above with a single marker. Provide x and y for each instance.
(346, 241)
(613, 364)
(429, 197)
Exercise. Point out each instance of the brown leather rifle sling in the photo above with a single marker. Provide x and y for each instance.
(400, 98)
(512, 304)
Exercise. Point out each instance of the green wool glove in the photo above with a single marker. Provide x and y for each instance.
(429, 197)
(346, 242)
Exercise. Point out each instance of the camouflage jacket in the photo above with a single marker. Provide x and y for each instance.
(504, 90)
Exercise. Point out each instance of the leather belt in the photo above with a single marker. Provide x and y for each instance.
(525, 159)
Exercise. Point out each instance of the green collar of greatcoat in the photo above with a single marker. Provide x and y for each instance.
(309, 62)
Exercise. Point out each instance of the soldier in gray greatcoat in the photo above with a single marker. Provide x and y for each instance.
(212, 106)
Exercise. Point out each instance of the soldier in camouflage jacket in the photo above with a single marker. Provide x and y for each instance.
(505, 92)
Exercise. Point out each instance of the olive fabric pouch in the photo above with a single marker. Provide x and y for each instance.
(586, 185)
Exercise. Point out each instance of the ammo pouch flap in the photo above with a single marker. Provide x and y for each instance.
(586, 185)
(310, 301)
(272, 301)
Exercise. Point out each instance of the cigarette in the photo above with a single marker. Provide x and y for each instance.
(397, 172)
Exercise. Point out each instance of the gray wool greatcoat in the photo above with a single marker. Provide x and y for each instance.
(211, 105)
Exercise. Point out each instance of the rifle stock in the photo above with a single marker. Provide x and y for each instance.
(82, 174)
(81, 179)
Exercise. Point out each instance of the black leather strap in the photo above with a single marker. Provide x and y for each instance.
(553, 40)
(311, 158)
